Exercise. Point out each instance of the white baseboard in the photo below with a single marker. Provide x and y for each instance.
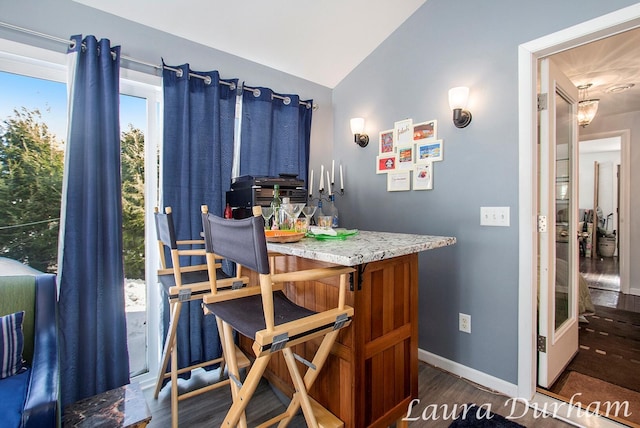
(476, 376)
(634, 291)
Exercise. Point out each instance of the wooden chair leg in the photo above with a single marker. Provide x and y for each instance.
(301, 390)
(310, 376)
(402, 423)
(174, 386)
(223, 345)
(229, 350)
(174, 363)
(246, 392)
(168, 345)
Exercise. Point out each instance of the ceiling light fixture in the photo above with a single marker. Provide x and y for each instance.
(587, 108)
(620, 88)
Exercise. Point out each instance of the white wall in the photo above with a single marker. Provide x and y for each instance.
(607, 183)
(627, 121)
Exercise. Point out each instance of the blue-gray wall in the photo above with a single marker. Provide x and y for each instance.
(446, 44)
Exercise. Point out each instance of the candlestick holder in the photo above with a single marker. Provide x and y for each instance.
(339, 192)
(322, 192)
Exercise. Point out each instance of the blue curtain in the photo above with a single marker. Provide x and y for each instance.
(276, 134)
(197, 161)
(94, 355)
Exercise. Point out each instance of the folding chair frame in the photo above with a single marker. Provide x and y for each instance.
(270, 340)
(178, 295)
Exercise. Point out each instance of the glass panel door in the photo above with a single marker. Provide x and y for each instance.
(558, 244)
(563, 209)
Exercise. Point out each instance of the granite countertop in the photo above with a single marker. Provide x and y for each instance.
(364, 247)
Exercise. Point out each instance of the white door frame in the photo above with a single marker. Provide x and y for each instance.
(528, 55)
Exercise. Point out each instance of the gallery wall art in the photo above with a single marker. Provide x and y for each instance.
(409, 149)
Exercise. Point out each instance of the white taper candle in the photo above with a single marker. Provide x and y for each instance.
(333, 167)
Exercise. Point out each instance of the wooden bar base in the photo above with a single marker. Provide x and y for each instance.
(371, 375)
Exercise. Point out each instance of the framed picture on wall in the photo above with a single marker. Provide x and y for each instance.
(425, 131)
(429, 151)
(423, 177)
(386, 142)
(386, 163)
(403, 130)
(405, 157)
(399, 181)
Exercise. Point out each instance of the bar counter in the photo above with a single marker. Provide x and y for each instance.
(371, 375)
(364, 247)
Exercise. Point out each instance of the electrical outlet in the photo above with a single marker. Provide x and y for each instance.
(464, 323)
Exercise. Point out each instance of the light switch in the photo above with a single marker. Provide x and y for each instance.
(495, 216)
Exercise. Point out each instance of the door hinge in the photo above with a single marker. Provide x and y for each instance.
(542, 344)
(542, 223)
(542, 102)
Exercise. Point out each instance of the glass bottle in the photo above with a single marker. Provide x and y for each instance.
(318, 213)
(275, 204)
(332, 210)
(228, 212)
(284, 217)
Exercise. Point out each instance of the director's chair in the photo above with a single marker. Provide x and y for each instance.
(182, 284)
(265, 315)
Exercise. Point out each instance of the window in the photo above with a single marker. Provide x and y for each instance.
(36, 80)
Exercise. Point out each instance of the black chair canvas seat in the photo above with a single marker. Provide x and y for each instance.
(247, 313)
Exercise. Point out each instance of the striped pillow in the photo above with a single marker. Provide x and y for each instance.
(11, 344)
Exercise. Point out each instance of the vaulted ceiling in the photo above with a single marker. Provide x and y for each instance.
(320, 41)
(323, 41)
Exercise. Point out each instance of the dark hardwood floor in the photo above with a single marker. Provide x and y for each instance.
(441, 394)
(603, 277)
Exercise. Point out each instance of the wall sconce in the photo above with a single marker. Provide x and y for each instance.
(357, 128)
(458, 98)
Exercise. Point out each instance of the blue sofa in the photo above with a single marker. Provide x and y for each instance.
(32, 398)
